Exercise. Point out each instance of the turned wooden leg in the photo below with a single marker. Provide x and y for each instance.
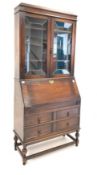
(15, 142)
(24, 151)
(77, 138)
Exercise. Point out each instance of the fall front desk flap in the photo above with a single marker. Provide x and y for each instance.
(48, 91)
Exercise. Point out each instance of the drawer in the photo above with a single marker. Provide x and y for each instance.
(66, 113)
(45, 129)
(45, 117)
(30, 133)
(68, 124)
(35, 119)
(30, 119)
(35, 132)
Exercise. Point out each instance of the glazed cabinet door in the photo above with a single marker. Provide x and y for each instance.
(36, 46)
(47, 46)
(63, 40)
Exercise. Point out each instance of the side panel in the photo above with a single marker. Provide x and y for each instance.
(18, 111)
(17, 45)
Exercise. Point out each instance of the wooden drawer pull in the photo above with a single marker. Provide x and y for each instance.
(77, 102)
(67, 114)
(38, 120)
(39, 132)
(67, 124)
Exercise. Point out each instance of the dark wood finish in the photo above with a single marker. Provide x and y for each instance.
(46, 106)
(48, 91)
(73, 45)
(77, 137)
(23, 152)
(22, 63)
(68, 124)
(17, 45)
(15, 142)
(71, 137)
(43, 11)
(25, 10)
(18, 110)
(49, 150)
(35, 119)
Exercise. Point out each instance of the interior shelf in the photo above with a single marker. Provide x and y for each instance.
(35, 28)
(62, 31)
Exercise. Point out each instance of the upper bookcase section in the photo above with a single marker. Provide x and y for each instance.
(44, 43)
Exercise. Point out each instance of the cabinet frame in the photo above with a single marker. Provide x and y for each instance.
(48, 106)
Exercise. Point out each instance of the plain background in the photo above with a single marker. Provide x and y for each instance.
(72, 160)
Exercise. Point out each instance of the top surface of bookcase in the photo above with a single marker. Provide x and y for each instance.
(29, 8)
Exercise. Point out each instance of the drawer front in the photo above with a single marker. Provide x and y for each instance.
(68, 124)
(36, 132)
(30, 119)
(45, 117)
(68, 113)
(30, 133)
(45, 129)
(36, 125)
(35, 119)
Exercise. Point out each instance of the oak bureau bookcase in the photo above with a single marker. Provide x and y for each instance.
(47, 100)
